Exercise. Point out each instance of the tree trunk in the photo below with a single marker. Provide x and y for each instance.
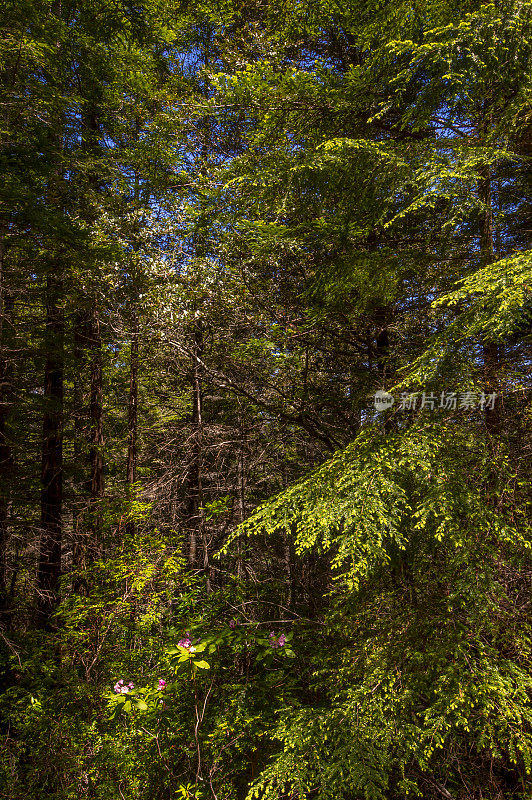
(382, 357)
(195, 477)
(490, 349)
(6, 306)
(241, 495)
(49, 568)
(287, 554)
(382, 345)
(79, 545)
(132, 417)
(96, 458)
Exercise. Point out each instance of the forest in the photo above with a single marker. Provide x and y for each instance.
(265, 400)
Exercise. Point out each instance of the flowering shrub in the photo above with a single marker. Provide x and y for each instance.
(185, 658)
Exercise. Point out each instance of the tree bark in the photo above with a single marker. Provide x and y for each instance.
(195, 477)
(79, 537)
(6, 306)
(490, 349)
(96, 458)
(49, 568)
(132, 417)
(287, 554)
(241, 495)
(382, 346)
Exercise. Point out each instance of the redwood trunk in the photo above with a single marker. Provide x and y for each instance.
(49, 568)
(132, 418)
(96, 458)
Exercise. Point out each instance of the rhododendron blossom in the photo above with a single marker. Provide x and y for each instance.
(121, 688)
(277, 641)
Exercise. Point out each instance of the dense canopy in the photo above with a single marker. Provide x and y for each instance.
(265, 400)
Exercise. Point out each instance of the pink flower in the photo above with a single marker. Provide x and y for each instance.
(162, 684)
(232, 624)
(120, 688)
(277, 642)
